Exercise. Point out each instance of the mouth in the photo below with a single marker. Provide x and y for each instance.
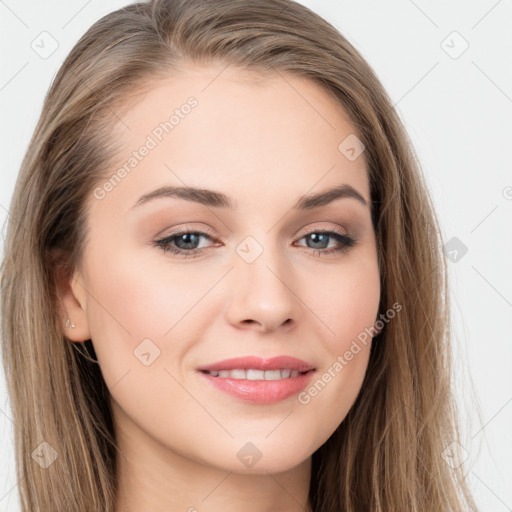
(259, 381)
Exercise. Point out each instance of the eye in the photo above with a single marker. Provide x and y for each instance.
(185, 242)
(320, 240)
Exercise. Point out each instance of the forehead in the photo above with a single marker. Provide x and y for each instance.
(239, 131)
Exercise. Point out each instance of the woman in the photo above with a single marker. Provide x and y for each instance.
(223, 282)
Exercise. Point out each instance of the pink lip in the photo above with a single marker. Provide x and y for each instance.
(260, 391)
(273, 363)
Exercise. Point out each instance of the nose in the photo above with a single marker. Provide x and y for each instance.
(262, 296)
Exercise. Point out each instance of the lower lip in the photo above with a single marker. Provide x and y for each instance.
(260, 391)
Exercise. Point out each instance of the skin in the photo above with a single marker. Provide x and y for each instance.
(264, 142)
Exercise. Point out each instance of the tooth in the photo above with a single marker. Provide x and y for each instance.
(252, 374)
(255, 374)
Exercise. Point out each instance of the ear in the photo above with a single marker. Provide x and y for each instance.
(72, 302)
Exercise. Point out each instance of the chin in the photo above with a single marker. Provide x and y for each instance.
(263, 456)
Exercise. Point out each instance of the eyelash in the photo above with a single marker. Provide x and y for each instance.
(347, 242)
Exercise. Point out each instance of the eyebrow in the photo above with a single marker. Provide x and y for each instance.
(215, 199)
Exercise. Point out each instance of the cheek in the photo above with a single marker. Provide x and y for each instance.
(140, 305)
(347, 302)
(348, 308)
(139, 298)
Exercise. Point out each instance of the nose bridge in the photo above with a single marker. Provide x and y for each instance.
(260, 289)
(261, 263)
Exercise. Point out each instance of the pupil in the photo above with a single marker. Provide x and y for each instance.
(316, 236)
(186, 237)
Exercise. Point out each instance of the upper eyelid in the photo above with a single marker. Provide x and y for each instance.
(203, 231)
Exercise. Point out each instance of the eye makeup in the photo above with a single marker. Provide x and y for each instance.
(188, 236)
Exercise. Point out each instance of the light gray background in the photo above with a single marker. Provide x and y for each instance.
(458, 112)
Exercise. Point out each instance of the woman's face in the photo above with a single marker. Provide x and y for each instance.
(254, 277)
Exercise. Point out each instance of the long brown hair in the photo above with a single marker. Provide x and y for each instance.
(387, 453)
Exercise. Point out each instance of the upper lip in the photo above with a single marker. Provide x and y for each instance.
(257, 363)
